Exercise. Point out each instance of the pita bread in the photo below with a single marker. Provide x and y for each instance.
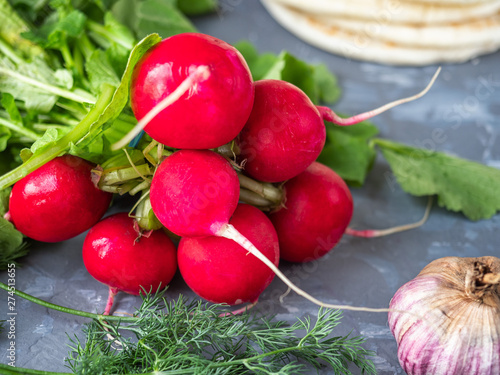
(447, 35)
(454, 2)
(358, 46)
(400, 11)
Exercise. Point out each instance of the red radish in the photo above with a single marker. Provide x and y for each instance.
(215, 107)
(285, 132)
(221, 271)
(57, 201)
(318, 209)
(115, 254)
(195, 192)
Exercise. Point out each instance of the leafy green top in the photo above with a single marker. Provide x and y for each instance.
(349, 152)
(315, 80)
(461, 185)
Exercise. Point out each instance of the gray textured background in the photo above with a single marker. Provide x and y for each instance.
(362, 272)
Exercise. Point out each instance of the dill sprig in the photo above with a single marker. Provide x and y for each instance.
(192, 337)
(182, 337)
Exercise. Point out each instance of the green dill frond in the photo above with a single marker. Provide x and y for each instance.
(192, 337)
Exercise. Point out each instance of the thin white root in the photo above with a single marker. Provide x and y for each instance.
(230, 232)
(371, 233)
(199, 75)
(282, 297)
(408, 99)
(331, 116)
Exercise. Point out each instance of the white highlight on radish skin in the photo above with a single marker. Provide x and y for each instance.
(372, 233)
(328, 115)
(230, 232)
(200, 74)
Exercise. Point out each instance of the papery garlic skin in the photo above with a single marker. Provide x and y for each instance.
(446, 322)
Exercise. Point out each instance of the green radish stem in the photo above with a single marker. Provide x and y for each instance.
(144, 216)
(265, 190)
(229, 150)
(7, 50)
(80, 98)
(142, 186)
(85, 46)
(62, 119)
(127, 187)
(19, 129)
(121, 175)
(77, 110)
(45, 126)
(101, 31)
(199, 75)
(328, 115)
(69, 62)
(255, 199)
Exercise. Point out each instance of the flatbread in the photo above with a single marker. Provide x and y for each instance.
(453, 2)
(447, 35)
(397, 11)
(357, 46)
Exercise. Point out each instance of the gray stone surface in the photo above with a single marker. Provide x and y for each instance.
(361, 272)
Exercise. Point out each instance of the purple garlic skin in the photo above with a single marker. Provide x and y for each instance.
(446, 321)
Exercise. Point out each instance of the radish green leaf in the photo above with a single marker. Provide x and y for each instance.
(315, 80)
(196, 7)
(11, 244)
(461, 185)
(348, 151)
(161, 17)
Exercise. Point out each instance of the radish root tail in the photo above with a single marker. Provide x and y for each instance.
(230, 232)
(328, 115)
(111, 299)
(371, 233)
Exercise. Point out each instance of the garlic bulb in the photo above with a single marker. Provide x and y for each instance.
(446, 321)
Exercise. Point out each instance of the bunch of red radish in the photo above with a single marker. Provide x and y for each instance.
(195, 93)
